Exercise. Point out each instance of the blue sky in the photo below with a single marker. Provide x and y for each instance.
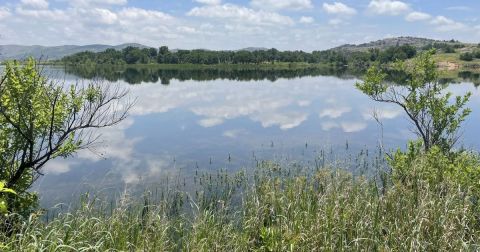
(232, 24)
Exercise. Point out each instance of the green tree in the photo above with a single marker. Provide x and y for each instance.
(41, 120)
(436, 116)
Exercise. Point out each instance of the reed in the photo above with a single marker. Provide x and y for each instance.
(276, 207)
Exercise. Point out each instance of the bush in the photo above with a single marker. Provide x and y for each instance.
(437, 168)
(476, 54)
(466, 56)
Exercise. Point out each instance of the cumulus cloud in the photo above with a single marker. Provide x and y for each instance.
(282, 4)
(351, 127)
(445, 24)
(38, 4)
(335, 112)
(85, 3)
(210, 122)
(234, 133)
(103, 16)
(338, 8)
(46, 14)
(347, 127)
(326, 126)
(142, 15)
(57, 166)
(306, 20)
(284, 120)
(210, 2)
(382, 113)
(240, 14)
(388, 7)
(417, 16)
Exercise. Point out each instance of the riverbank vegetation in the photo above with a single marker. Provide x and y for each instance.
(133, 55)
(422, 198)
(280, 208)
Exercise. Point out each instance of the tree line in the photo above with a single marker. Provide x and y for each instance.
(163, 55)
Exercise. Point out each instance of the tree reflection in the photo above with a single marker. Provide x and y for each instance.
(137, 75)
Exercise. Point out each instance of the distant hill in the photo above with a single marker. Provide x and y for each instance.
(389, 42)
(58, 52)
(54, 52)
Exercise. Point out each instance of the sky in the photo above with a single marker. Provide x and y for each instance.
(233, 24)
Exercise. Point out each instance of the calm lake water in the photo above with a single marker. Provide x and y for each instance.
(207, 120)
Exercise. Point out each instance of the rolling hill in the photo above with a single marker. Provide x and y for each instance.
(58, 52)
(389, 42)
(53, 52)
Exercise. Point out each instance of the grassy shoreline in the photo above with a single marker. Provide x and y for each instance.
(280, 208)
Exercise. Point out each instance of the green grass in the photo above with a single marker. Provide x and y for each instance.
(277, 208)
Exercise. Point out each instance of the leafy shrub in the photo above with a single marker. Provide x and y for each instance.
(476, 54)
(466, 56)
(437, 167)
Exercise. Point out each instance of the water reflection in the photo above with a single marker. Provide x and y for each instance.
(153, 74)
(222, 123)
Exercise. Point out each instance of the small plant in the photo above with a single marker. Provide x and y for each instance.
(3, 201)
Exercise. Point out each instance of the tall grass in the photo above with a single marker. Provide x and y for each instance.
(277, 208)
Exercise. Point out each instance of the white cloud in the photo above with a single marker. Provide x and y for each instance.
(282, 4)
(347, 127)
(417, 16)
(388, 7)
(240, 14)
(103, 16)
(351, 127)
(459, 8)
(447, 25)
(38, 4)
(338, 9)
(326, 126)
(55, 15)
(234, 133)
(285, 120)
(210, 2)
(335, 112)
(85, 3)
(382, 113)
(57, 166)
(142, 15)
(113, 144)
(306, 20)
(4, 12)
(210, 122)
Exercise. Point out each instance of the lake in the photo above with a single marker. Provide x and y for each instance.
(185, 121)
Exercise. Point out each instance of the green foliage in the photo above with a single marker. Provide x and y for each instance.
(476, 54)
(436, 167)
(396, 53)
(41, 120)
(3, 202)
(283, 208)
(436, 115)
(163, 55)
(467, 56)
(445, 47)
